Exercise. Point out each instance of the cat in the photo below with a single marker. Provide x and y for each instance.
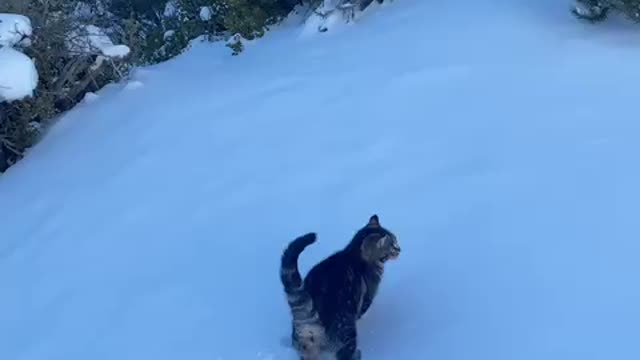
(336, 292)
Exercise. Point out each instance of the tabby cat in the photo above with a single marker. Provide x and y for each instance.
(336, 292)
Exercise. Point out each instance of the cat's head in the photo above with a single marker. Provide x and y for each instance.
(375, 243)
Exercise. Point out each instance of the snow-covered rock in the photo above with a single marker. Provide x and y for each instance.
(94, 40)
(18, 75)
(14, 28)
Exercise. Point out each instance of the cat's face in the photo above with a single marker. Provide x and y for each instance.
(378, 244)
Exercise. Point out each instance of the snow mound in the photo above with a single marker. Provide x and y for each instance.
(14, 28)
(18, 75)
(135, 84)
(94, 40)
(90, 97)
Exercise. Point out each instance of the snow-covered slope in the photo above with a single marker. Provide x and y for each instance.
(497, 139)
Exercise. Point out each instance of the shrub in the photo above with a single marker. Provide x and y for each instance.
(68, 67)
(598, 10)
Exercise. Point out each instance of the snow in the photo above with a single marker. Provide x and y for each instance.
(135, 84)
(116, 51)
(83, 10)
(90, 97)
(93, 39)
(170, 9)
(18, 75)
(499, 144)
(169, 34)
(206, 12)
(13, 29)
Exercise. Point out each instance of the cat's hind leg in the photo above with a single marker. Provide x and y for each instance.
(348, 343)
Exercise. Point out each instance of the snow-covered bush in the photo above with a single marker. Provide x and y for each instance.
(346, 6)
(65, 55)
(18, 75)
(597, 10)
(170, 31)
(322, 14)
(14, 28)
(18, 79)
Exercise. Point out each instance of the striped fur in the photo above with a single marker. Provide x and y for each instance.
(336, 292)
(298, 298)
(308, 333)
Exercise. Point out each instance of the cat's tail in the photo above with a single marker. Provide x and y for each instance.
(298, 298)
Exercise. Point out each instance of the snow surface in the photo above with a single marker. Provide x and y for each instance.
(14, 28)
(18, 75)
(498, 139)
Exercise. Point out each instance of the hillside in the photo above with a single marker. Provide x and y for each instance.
(497, 139)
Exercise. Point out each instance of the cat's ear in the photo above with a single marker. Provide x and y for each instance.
(374, 222)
